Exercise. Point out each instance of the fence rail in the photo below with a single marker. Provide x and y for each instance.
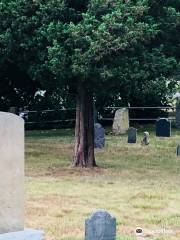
(53, 116)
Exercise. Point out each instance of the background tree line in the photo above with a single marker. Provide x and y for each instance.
(111, 52)
(145, 74)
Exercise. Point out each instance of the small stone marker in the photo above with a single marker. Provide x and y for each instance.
(178, 150)
(100, 226)
(163, 128)
(132, 135)
(99, 136)
(121, 121)
(145, 140)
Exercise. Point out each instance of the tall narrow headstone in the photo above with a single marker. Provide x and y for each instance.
(12, 180)
(132, 135)
(163, 128)
(99, 136)
(121, 121)
(100, 226)
(11, 172)
(178, 150)
(178, 114)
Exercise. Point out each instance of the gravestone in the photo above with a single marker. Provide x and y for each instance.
(100, 226)
(146, 139)
(132, 135)
(121, 121)
(178, 114)
(12, 177)
(99, 136)
(163, 128)
(178, 150)
(11, 172)
(27, 234)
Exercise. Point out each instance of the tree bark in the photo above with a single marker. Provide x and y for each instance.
(84, 129)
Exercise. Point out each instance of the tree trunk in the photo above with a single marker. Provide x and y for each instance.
(84, 129)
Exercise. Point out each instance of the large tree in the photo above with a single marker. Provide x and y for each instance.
(84, 47)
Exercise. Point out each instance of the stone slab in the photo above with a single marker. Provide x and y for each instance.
(27, 234)
(99, 136)
(12, 173)
(178, 114)
(100, 226)
(132, 135)
(121, 121)
(163, 128)
(178, 150)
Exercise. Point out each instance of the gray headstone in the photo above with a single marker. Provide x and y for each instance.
(99, 136)
(163, 128)
(132, 135)
(178, 150)
(178, 114)
(121, 121)
(100, 226)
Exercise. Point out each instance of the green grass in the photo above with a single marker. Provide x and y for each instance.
(140, 185)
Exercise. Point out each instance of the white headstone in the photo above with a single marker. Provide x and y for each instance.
(121, 121)
(12, 173)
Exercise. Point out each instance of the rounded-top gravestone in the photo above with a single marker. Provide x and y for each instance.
(100, 226)
(163, 128)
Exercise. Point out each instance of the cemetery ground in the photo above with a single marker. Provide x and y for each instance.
(138, 184)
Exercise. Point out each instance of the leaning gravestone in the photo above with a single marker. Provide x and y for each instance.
(100, 226)
(99, 136)
(132, 135)
(121, 121)
(163, 128)
(12, 179)
(178, 150)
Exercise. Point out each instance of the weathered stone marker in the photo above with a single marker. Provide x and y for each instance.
(99, 136)
(163, 128)
(178, 114)
(12, 173)
(132, 135)
(100, 226)
(28, 234)
(12, 180)
(178, 150)
(121, 121)
(146, 139)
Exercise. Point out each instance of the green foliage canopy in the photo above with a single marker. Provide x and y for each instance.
(118, 48)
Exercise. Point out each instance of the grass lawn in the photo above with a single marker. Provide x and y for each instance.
(140, 185)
